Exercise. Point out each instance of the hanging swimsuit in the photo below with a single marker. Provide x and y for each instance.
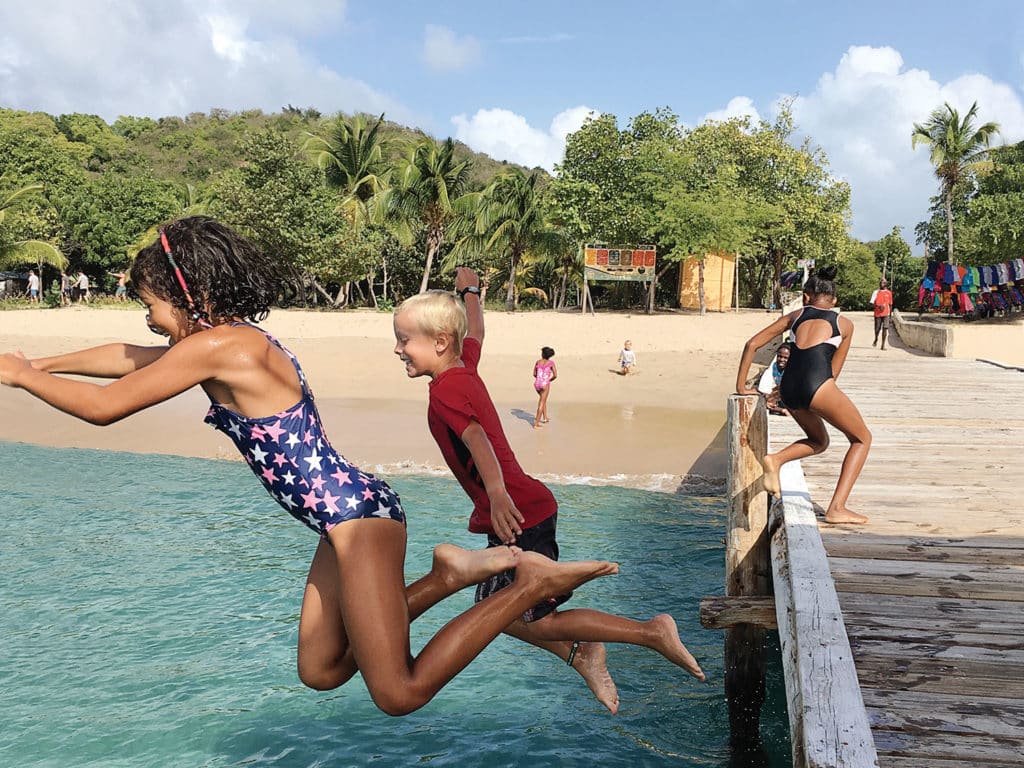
(290, 454)
(809, 368)
(542, 376)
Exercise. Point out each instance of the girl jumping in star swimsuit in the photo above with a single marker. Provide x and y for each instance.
(202, 283)
(820, 342)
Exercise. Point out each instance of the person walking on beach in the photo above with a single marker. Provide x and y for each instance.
(83, 288)
(66, 281)
(881, 302)
(821, 340)
(442, 338)
(544, 372)
(627, 359)
(202, 284)
(121, 292)
(33, 287)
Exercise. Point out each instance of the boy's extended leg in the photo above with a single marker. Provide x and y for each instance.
(659, 634)
(589, 660)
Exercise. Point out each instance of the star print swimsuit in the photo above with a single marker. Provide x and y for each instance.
(290, 454)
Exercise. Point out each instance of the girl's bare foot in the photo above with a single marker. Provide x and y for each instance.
(536, 425)
(772, 483)
(459, 568)
(668, 644)
(590, 663)
(547, 577)
(843, 515)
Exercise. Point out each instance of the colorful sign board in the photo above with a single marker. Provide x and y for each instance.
(633, 262)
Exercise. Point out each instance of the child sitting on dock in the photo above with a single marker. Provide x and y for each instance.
(440, 337)
(820, 342)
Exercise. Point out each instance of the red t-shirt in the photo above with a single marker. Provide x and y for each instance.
(457, 398)
(882, 299)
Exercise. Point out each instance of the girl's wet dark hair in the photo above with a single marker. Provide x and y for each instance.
(547, 353)
(227, 275)
(822, 282)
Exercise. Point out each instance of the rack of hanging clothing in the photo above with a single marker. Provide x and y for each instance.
(992, 290)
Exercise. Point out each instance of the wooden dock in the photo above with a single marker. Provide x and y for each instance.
(931, 591)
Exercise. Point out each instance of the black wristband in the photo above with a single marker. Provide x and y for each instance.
(468, 289)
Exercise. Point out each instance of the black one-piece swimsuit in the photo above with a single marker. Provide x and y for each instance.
(809, 368)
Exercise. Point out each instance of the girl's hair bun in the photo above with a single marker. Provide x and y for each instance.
(827, 273)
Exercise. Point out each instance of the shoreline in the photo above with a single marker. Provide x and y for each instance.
(661, 429)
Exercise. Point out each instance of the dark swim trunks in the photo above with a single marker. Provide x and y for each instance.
(539, 539)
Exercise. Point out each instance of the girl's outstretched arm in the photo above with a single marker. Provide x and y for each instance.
(109, 361)
(839, 358)
(753, 344)
(189, 362)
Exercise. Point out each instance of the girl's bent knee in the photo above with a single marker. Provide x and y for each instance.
(397, 703)
(322, 679)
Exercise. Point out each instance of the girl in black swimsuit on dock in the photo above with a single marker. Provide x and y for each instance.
(821, 340)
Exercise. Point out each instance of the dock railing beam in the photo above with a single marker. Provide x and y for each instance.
(747, 563)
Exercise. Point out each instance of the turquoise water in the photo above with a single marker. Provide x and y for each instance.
(149, 609)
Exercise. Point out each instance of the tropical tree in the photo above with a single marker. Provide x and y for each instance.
(958, 152)
(429, 191)
(353, 160)
(16, 250)
(509, 221)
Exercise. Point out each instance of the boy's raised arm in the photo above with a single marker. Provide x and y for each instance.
(466, 280)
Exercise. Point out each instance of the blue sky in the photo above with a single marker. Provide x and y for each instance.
(512, 79)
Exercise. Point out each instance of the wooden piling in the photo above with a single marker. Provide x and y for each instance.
(747, 562)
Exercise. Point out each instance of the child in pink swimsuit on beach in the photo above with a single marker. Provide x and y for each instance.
(544, 372)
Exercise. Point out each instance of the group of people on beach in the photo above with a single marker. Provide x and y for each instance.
(205, 286)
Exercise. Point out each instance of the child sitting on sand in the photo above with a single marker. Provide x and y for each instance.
(627, 358)
(202, 284)
(439, 337)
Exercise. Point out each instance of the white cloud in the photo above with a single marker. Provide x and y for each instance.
(862, 115)
(118, 57)
(505, 135)
(739, 106)
(444, 51)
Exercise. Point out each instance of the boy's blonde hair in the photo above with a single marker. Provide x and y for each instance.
(438, 312)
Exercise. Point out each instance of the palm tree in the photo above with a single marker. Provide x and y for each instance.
(15, 252)
(428, 190)
(957, 151)
(353, 161)
(510, 221)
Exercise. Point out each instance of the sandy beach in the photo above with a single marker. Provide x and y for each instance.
(652, 430)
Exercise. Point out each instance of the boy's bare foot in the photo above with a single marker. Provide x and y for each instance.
(843, 515)
(549, 577)
(590, 663)
(536, 425)
(772, 484)
(459, 568)
(668, 644)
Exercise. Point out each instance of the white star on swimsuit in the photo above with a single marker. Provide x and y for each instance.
(259, 454)
(293, 440)
(314, 462)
